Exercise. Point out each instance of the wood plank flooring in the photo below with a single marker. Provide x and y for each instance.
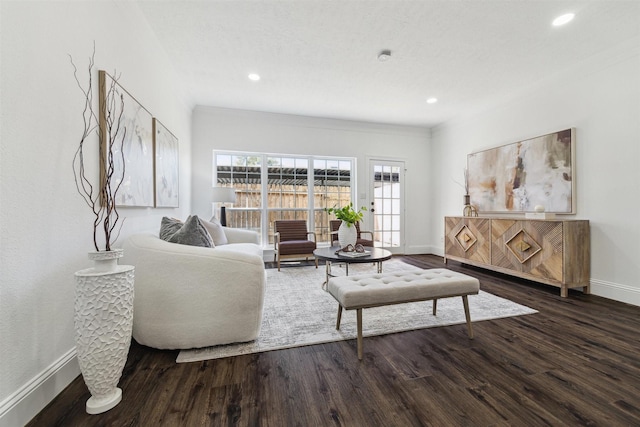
(575, 363)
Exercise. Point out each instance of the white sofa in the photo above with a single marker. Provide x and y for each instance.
(191, 297)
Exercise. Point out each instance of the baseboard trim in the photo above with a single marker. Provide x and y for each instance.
(613, 291)
(417, 250)
(24, 404)
(436, 250)
(616, 291)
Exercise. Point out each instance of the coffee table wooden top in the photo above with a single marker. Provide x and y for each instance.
(376, 255)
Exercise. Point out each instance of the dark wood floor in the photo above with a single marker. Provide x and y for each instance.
(576, 362)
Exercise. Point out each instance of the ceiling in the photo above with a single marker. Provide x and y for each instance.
(319, 57)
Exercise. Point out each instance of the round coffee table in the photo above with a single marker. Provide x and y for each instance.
(375, 255)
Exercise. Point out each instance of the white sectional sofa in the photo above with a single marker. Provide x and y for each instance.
(191, 297)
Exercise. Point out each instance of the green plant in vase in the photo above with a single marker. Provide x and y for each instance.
(347, 213)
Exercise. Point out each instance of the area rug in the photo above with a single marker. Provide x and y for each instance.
(298, 312)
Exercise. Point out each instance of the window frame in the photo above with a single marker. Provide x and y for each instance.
(266, 212)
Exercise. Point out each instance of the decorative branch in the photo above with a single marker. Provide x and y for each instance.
(466, 181)
(111, 133)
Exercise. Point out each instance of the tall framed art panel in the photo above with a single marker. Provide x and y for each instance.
(166, 167)
(127, 130)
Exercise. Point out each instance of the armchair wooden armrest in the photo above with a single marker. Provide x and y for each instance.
(276, 239)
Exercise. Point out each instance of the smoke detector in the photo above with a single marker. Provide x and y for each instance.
(384, 56)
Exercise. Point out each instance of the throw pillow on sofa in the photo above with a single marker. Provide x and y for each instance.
(192, 233)
(215, 231)
(169, 227)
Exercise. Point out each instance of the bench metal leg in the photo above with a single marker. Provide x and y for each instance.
(465, 302)
(339, 316)
(359, 317)
(435, 306)
(327, 270)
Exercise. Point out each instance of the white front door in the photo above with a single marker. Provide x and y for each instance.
(386, 207)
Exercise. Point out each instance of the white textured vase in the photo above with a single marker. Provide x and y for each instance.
(103, 321)
(347, 234)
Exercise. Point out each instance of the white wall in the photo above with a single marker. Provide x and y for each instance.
(225, 129)
(45, 227)
(601, 99)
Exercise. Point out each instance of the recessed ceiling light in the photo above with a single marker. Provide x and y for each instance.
(384, 56)
(254, 77)
(432, 100)
(563, 19)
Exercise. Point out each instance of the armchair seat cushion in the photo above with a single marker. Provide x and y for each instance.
(293, 247)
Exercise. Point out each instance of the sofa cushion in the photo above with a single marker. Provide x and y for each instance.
(216, 231)
(240, 248)
(192, 233)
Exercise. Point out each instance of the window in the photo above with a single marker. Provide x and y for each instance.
(270, 187)
(332, 187)
(244, 174)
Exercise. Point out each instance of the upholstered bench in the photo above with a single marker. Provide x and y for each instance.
(375, 290)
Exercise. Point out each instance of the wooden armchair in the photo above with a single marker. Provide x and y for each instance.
(292, 240)
(335, 224)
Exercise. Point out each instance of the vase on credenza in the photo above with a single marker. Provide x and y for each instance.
(103, 319)
(468, 209)
(347, 234)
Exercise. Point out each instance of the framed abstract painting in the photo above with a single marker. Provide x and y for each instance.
(129, 126)
(518, 177)
(166, 167)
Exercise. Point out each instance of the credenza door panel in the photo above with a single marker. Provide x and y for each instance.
(468, 238)
(532, 247)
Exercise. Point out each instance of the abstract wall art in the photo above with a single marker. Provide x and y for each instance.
(520, 176)
(131, 144)
(165, 146)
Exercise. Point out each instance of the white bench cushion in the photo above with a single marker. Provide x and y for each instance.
(401, 286)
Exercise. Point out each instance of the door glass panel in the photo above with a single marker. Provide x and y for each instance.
(386, 192)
